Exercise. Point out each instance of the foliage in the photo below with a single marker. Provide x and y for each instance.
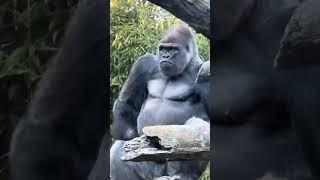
(30, 32)
(206, 174)
(136, 28)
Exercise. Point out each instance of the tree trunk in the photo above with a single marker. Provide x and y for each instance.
(196, 13)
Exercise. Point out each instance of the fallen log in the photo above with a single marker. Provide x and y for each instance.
(171, 142)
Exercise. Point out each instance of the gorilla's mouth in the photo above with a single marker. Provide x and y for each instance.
(165, 62)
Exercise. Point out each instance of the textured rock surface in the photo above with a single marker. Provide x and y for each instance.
(300, 45)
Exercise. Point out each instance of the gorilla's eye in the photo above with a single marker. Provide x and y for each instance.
(187, 48)
(173, 49)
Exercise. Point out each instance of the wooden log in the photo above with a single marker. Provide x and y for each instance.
(196, 13)
(170, 142)
(167, 178)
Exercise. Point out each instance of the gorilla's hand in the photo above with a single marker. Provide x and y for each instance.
(197, 122)
(128, 105)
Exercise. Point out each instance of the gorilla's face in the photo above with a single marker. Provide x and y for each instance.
(173, 58)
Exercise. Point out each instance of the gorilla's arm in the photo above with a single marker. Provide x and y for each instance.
(60, 135)
(204, 89)
(203, 84)
(127, 107)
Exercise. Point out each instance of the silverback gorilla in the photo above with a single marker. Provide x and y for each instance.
(59, 137)
(265, 119)
(160, 90)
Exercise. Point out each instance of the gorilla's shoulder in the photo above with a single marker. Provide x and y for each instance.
(145, 64)
(147, 60)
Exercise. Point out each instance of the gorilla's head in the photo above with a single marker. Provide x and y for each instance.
(175, 50)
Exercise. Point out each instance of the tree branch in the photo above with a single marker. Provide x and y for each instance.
(196, 13)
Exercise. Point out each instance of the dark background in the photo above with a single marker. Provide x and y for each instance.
(30, 34)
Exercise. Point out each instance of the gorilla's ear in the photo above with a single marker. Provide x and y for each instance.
(300, 44)
(188, 48)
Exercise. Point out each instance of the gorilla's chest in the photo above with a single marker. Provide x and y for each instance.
(177, 90)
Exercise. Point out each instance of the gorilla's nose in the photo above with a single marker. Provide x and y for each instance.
(166, 56)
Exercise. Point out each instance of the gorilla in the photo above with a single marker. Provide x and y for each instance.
(61, 133)
(160, 90)
(265, 118)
